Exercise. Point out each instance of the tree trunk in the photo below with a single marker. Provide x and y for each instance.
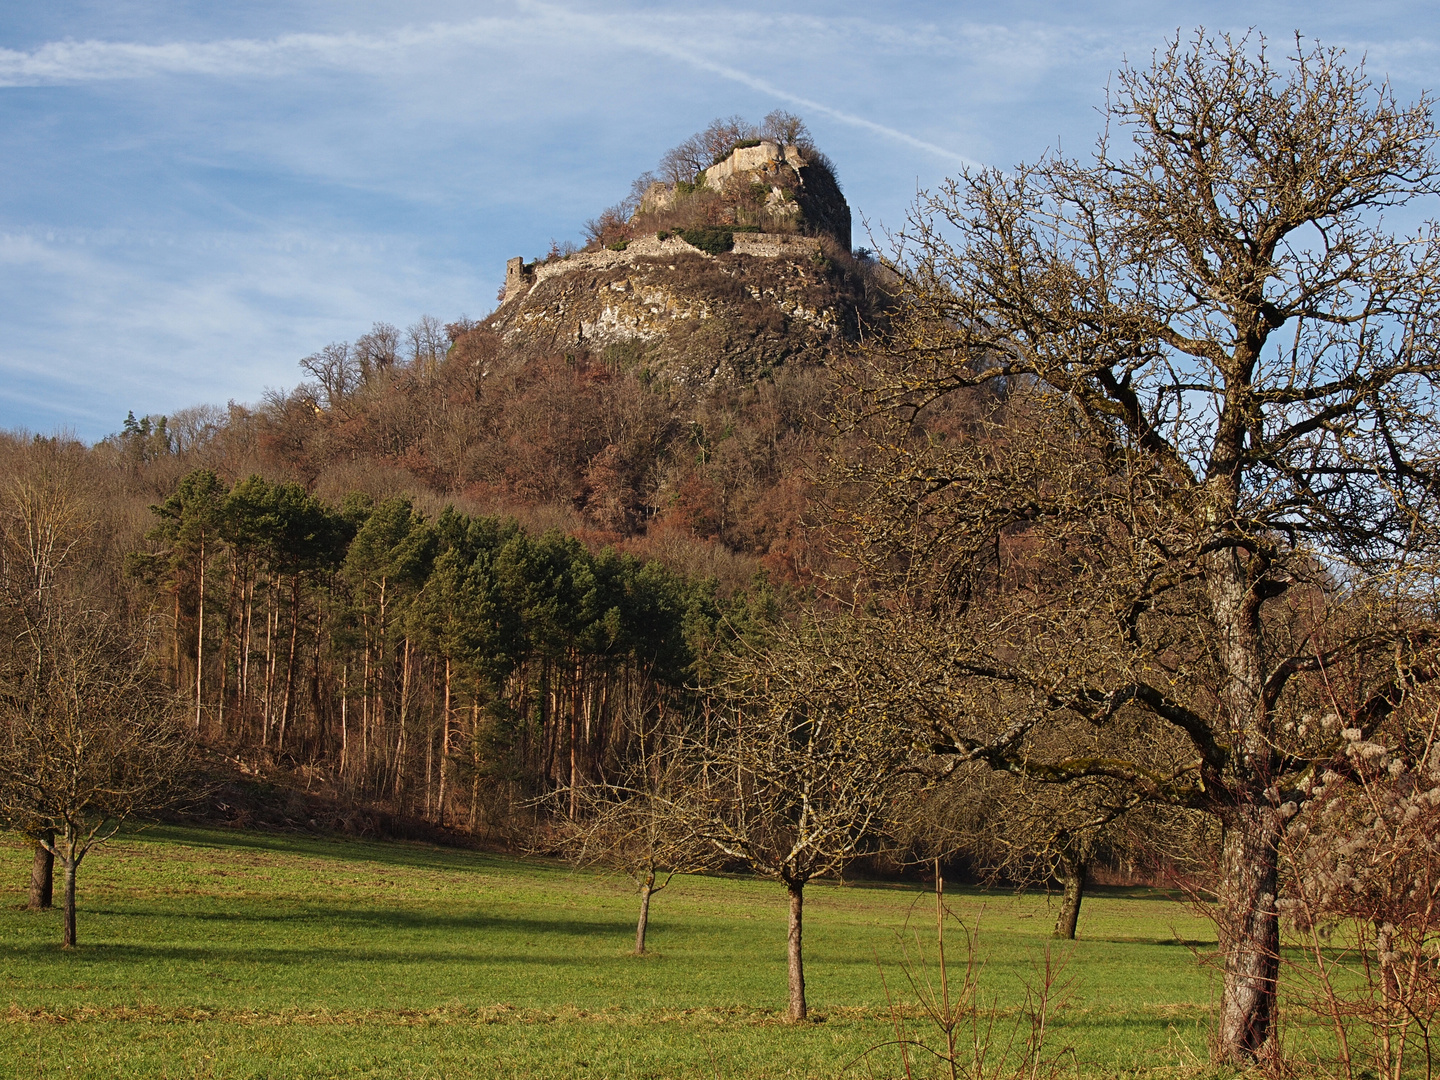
(42, 877)
(1249, 931)
(444, 744)
(1074, 893)
(344, 726)
(647, 887)
(290, 663)
(200, 641)
(71, 863)
(1249, 928)
(797, 960)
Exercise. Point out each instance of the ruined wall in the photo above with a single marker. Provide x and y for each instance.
(690, 314)
(685, 314)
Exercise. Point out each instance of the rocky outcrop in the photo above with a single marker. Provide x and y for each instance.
(751, 268)
(765, 185)
(683, 313)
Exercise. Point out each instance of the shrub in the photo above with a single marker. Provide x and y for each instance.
(711, 238)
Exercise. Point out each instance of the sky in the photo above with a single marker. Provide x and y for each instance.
(194, 196)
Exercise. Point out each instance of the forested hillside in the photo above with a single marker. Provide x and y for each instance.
(456, 568)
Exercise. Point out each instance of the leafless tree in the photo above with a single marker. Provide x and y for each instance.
(42, 529)
(639, 824)
(88, 734)
(376, 351)
(427, 340)
(703, 149)
(787, 129)
(336, 372)
(1153, 448)
(798, 777)
(88, 739)
(1021, 833)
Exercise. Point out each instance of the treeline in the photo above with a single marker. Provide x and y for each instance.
(446, 667)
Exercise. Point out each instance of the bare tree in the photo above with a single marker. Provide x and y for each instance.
(336, 372)
(1197, 467)
(787, 129)
(799, 774)
(427, 340)
(88, 735)
(1019, 832)
(42, 529)
(697, 153)
(638, 825)
(88, 739)
(376, 351)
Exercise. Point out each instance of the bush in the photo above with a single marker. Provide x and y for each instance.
(710, 238)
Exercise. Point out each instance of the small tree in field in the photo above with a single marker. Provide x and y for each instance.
(798, 776)
(638, 825)
(88, 734)
(89, 739)
(1020, 832)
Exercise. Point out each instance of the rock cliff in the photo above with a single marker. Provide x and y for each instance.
(715, 297)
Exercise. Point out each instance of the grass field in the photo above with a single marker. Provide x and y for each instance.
(215, 953)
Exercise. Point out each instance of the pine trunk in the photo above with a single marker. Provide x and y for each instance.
(288, 703)
(444, 744)
(200, 640)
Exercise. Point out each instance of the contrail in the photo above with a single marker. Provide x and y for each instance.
(675, 52)
(89, 61)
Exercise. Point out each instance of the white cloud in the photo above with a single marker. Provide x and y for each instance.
(687, 40)
(88, 61)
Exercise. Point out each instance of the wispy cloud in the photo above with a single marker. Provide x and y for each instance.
(668, 47)
(128, 321)
(89, 61)
(64, 62)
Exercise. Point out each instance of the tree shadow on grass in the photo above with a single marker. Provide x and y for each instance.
(387, 919)
(249, 956)
(400, 853)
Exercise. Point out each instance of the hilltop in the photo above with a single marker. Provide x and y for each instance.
(734, 261)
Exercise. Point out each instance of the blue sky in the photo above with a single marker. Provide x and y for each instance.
(195, 195)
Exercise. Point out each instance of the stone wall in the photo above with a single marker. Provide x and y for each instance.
(521, 277)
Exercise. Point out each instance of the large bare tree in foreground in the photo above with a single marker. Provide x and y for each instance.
(1152, 465)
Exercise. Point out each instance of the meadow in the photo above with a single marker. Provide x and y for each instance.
(213, 953)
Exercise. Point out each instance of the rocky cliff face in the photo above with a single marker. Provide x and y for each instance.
(684, 313)
(765, 185)
(755, 271)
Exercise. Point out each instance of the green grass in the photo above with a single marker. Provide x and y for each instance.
(216, 953)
